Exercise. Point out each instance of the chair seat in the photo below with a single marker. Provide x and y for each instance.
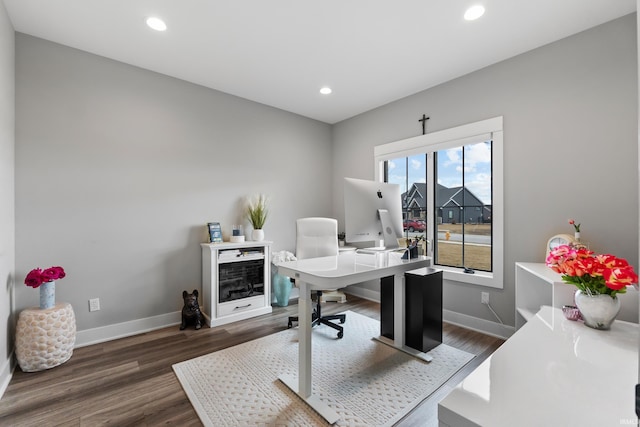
(334, 296)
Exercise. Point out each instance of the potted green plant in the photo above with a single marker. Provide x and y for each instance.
(257, 214)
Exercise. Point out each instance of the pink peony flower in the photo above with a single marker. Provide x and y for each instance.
(53, 273)
(49, 275)
(34, 278)
(61, 273)
(37, 277)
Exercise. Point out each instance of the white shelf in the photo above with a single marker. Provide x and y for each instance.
(540, 270)
(537, 285)
(222, 259)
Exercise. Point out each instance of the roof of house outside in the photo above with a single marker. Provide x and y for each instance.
(415, 198)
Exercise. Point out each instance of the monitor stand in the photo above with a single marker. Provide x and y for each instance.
(389, 235)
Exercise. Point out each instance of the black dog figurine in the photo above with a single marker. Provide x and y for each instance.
(191, 311)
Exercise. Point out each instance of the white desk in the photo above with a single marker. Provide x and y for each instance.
(558, 373)
(338, 272)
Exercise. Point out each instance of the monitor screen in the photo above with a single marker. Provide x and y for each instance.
(369, 204)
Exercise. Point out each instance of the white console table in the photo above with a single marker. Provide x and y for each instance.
(236, 281)
(551, 373)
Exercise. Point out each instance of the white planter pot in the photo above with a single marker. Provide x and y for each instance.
(257, 235)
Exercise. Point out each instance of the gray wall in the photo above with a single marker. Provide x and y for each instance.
(570, 146)
(7, 193)
(118, 169)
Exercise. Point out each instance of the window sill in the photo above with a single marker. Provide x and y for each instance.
(480, 278)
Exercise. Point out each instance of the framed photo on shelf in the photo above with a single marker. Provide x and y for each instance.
(215, 232)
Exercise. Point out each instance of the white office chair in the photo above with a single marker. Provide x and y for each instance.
(318, 237)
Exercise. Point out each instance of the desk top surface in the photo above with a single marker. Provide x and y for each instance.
(350, 267)
(553, 371)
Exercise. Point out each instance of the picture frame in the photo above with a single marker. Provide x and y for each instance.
(215, 232)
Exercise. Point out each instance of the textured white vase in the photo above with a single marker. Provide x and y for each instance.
(47, 295)
(257, 235)
(598, 311)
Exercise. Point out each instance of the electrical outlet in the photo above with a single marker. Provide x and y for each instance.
(94, 304)
(485, 298)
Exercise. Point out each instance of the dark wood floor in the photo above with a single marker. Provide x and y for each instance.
(130, 382)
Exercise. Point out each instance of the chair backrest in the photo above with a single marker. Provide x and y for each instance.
(316, 237)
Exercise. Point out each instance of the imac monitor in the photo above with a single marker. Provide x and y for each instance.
(373, 212)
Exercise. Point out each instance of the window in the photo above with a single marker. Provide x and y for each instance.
(451, 183)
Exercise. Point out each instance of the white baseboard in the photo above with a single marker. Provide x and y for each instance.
(126, 329)
(138, 326)
(465, 321)
(486, 327)
(363, 293)
(6, 373)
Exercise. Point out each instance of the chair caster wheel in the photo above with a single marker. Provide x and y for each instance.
(340, 335)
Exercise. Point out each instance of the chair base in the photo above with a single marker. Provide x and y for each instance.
(334, 296)
(318, 318)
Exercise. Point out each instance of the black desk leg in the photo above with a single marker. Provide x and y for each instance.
(386, 307)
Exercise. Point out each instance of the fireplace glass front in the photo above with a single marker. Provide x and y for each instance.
(241, 279)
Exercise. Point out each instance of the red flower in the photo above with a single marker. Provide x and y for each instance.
(610, 261)
(53, 273)
(619, 277)
(576, 226)
(34, 278)
(37, 277)
(49, 275)
(591, 273)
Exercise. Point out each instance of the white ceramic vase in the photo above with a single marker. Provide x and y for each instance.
(598, 311)
(257, 235)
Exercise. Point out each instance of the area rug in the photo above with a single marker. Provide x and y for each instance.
(366, 382)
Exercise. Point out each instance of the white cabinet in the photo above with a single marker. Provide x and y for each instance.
(236, 281)
(538, 285)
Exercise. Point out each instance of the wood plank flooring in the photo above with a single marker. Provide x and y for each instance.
(130, 382)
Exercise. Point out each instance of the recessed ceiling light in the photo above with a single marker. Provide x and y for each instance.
(325, 90)
(156, 23)
(474, 12)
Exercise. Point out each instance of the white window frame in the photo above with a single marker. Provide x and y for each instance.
(490, 129)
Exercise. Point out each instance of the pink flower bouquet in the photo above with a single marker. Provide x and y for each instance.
(37, 277)
(592, 274)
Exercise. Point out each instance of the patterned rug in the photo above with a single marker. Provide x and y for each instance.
(366, 382)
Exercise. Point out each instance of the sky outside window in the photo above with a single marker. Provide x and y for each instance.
(477, 169)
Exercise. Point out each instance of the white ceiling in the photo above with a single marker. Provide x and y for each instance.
(281, 52)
